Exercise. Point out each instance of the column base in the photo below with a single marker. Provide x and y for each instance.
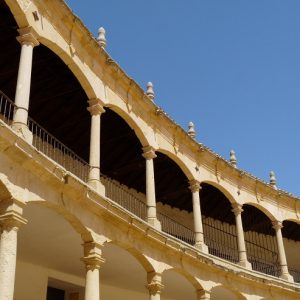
(23, 131)
(97, 185)
(287, 276)
(201, 246)
(155, 223)
(246, 264)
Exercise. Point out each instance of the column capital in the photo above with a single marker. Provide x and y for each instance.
(154, 283)
(194, 185)
(28, 36)
(149, 152)
(95, 107)
(11, 220)
(277, 225)
(92, 255)
(237, 208)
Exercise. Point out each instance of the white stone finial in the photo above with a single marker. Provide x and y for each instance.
(101, 37)
(273, 180)
(191, 130)
(150, 91)
(232, 159)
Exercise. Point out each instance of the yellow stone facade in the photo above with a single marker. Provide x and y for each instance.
(73, 236)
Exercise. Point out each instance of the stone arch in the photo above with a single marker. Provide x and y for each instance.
(132, 123)
(139, 256)
(18, 13)
(21, 20)
(5, 193)
(192, 280)
(71, 64)
(263, 209)
(75, 223)
(180, 163)
(222, 189)
(214, 292)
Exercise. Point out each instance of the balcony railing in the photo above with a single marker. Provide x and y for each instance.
(296, 274)
(176, 229)
(224, 247)
(7, 108)
(53, 148)
(221, 241)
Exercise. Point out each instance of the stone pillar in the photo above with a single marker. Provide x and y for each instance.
(96, 109)
(198, 226)
(155, 285)
(243, 261)
(203, 295)
(28, 40)
(92, 260)
(281, 252)
(10, 223)
(149, 155)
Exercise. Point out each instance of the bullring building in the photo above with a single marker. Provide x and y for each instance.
(103, 196)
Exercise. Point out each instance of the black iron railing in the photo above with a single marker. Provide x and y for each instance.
(53, 148)
(129, 199)
(295, 273)
(7, 108)
(262, 253)
(220, 240)
(176, 229)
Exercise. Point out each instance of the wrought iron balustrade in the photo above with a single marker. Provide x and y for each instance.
(53, 148)
(262, 253)
(221, 241)
(7, 108)
(129, 199)
(295, 273)
(176, 229)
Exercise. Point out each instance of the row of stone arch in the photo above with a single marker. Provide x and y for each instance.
(143, 132)
(174, 282)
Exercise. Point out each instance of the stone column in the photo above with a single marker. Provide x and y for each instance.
(10, 223)
(92, 260)
(203, 295)
(281, 252)
(149, 155)
(28, 40)
(155, 285)
(198, 226)
(96, 109)
(243, 261)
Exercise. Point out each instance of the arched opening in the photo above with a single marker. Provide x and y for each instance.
(122, 164)
(224, 293)
(177, 286)
(58, 117)
(291, 240)
(48, 258)
(219, 226)
(174, 199)
(122, 276)
(260, 241)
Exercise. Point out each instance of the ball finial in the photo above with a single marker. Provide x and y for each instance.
(150, 91)
(191, 131)
(273, 180)
(101, 37)
(232, 159)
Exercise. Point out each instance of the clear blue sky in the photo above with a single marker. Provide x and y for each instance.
(232, 67)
